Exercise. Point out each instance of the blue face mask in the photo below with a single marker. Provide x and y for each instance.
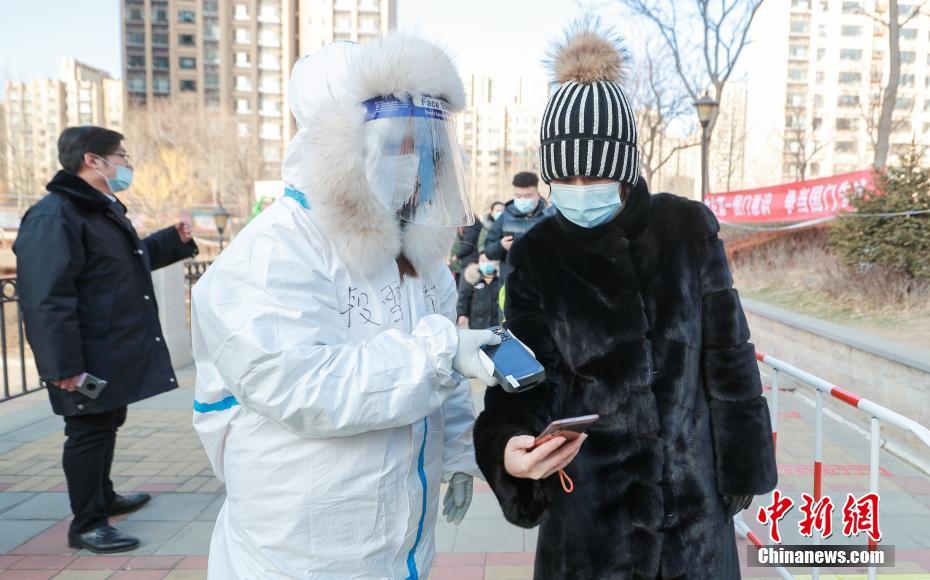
(123, 178)
(497, 215)
(487, 268)
(525, 205)
(587, 205)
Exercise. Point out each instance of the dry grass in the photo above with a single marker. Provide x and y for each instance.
(800, 273)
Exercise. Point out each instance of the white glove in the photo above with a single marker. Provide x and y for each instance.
(467, 360)
(458, 498)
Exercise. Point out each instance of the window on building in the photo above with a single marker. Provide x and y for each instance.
(845, 147)
(850, 54)
(188, 85)
(134, 37)
(927, 106)
(187, 40)
(187, 16)
(926, 127)
(241, 12)
(242, 36)
(797, 74)
(800, 26)
(821, 52)
(243, 107)
(851, 7)
(909, 33)
(187, 62)
(242, 60)
(819, 76)
(850, 77)
(161, 85)
(160, 15)
(847, 101)
(160, 62)
(135, 14)
(818, 100)
(907, 81)
(798, 51)
(243, 129)
(801, 4)
(160, 39)
(904, 103)
(908, 56)
(850, 30)
(136, 61)
(847, 123)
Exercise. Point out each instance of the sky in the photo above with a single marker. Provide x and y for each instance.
(493, 36)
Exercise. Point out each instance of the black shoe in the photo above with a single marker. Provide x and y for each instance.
(123, 504)
(103, 540)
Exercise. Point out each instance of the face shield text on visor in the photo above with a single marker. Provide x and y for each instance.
(413, 161)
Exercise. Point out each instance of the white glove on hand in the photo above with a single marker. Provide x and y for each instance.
(467, 361)
(458, 498)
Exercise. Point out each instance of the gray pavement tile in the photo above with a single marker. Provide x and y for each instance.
(894, 503)
(6, 446)
(153, 535)
(484, 505)
(210, 513)
(445, 536)
(193, 539)
(14, 533)
(173, 507)
(42, 506)
(35, 430)
(913, 527)
(481, 535)
(9, 499)
(177, 399)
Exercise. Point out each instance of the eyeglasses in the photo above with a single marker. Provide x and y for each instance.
(125, 156)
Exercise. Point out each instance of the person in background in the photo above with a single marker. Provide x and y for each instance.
(465, 248)
(478, 294)
(520, 214)
(85, 284)
(497, 210)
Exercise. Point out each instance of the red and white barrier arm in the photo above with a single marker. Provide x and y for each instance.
(867, 406)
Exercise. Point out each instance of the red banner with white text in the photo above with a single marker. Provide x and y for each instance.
(792, 202)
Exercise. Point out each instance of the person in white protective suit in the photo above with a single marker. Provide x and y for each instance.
(332, 384)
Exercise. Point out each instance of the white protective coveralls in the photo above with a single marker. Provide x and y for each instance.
(326, 399)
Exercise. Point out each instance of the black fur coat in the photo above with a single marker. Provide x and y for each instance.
(635, 320)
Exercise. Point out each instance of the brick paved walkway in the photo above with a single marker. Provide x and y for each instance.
(158, 452)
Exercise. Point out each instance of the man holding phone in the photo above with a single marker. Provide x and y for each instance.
(626, 300)
(520, 214)
(85, 286)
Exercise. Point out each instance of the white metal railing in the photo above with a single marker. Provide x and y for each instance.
(877, 414)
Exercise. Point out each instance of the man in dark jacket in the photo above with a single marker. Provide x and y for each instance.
(85, 285)
(627, 301)
(524, 211)
(465, 249)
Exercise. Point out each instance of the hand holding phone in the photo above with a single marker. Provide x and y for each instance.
(524, 460)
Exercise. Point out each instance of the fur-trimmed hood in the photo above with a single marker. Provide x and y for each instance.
(326, 158)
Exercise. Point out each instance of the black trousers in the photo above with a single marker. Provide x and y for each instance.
(87, 458)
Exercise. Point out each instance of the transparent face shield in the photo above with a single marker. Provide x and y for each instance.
(413, 161)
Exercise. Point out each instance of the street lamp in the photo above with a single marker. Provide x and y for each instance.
(221, 220)
(706, 107)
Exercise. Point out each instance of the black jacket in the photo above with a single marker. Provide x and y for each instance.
(511, 223)
(635, 320)
(85, 286)
(466, 245)
(478, 299)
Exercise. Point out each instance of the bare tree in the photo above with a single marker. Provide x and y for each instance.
(186, 156)
(660, 103)
(884, 127)
(801, 141)
(716, 31)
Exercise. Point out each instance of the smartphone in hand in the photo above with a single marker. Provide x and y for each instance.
(570, 428)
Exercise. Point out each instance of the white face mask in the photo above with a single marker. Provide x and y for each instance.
(393, 178)
(587, 205)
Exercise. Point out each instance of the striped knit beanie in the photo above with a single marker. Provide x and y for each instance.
(588, 127)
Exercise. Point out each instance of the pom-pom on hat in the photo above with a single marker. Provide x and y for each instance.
(588, 127)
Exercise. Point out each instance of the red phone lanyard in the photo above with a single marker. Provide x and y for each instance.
(567, 484)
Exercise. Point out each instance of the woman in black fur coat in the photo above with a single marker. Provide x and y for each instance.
(627, 300)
